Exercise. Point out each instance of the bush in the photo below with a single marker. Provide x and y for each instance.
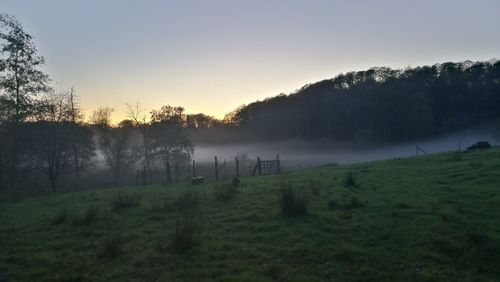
(125, 200)
(187, 201)
(112, 246)
(236, 182)
(350, 180)
(61, 216)
(333, 205)
(225, 192)
(186, 236)
(456, 157)
(291, 203)
(89, 216)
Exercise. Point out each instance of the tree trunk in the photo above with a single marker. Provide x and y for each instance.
(1, 172)
(13, 159)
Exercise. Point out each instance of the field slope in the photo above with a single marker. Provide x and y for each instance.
(433, 218)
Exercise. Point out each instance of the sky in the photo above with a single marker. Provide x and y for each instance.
(212, 56)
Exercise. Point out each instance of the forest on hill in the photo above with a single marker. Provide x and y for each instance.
(378, 105)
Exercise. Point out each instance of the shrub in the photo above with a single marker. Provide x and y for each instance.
(456, 157)
(236, 182)
(333, 205)
(187, 201)
(186, 236)
(291, 203)
(89, 216)
(61, 216)
(350, 180)
(112, 246)
(225, 192)
(125, 200)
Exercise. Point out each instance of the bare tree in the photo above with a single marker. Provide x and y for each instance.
(81, 138)
(146, 153)
(48, 147)
(119, 149)
(102, 117)
(55, 143)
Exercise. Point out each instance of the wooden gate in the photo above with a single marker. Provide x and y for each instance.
(265, 167)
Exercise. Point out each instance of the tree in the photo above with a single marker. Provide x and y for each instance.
(102, 117)
(170, 136)
(82, 145)
(146, 152)
(21, 81)
(119, 149)
(55, 142)
(48, 147)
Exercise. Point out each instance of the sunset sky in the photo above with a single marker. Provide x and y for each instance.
(212, 56)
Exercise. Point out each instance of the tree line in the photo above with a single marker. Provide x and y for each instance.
(379, 105)
(43, 134)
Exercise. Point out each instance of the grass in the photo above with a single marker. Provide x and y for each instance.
(88, 216)
(122, 200)
(426, 218)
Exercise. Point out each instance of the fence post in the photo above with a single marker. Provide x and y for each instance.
(216, 169)
(259, 165)
(177, 172)
(278, 164)
(194, 169)
(169, 175)
(225, 169)
(144, 175)
(237, 167)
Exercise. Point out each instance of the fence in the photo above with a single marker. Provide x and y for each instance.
(216, 170)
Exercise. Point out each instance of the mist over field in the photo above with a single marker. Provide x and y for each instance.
(296, 154)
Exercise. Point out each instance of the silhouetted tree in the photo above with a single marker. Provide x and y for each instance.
(48, 147)
(170, 135)
(118, 148)
(146, 144)
(101, 117)
(21, 81)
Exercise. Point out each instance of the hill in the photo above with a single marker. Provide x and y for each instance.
(379, 105)
(421, 218)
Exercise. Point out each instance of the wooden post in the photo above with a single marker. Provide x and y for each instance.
(145, 176)
(216, 169)
(194, 169)
(278, 164)
(177, 172)
(259, 166)
(237, 167)
(225, 169)
(169, 175)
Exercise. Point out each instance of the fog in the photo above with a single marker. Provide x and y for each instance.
(296, 154)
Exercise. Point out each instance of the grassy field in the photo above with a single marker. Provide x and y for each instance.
(429, 218)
